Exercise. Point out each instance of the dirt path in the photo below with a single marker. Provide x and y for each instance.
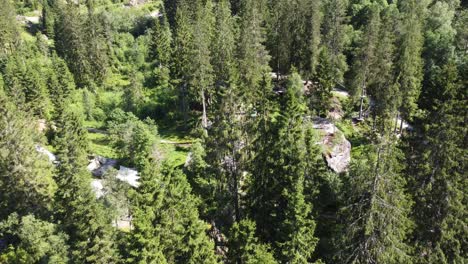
(97, 131)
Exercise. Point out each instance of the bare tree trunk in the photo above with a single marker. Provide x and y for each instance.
(235, 179)
(204, 117)
(401, 126)
(360, 108)
(184, 104)
(396, 122)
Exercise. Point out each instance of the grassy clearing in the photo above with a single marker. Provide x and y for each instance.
(356, 134)
(100, 145)
(174, 135)
(27, 37)
(94, 124)
(176, 156)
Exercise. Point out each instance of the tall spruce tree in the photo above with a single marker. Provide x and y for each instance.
(364, 57)
(383, 89)
(97, 50)
(201, 83)
(311, 47)
(410, 64)
(160, 55)
(26, 86)
(145, 245)
(294, 39)
(438, 47)
(70, 43)
(77, 210)
(244, 247)
(437, 161)
(223, 142)
(252, 55)
(376, 210)
(161, 40)
(254, 79)
(335, 36)
(9, 29)
(276, 195)
(223, 47)
(167, 227)
(48, 17)
(133, 97)
(26, 183)
(60, 84)
(183, 234)
(182, 59)
(324, 81)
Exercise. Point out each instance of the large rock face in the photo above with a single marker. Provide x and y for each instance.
(337, 149)
(99, 165)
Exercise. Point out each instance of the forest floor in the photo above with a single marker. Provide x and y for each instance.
(175, 145)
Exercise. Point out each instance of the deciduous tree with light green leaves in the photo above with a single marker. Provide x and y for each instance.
(32, 240)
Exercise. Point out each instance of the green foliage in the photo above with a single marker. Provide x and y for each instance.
(440, 33)
(146, 200)
(161, 40)
(365, 54)
(8, 28)
(325, 83)
(224, 45)
(410, 61)
(16, 256)
(70, 43)
(276, 195)
(101, 145)
(115, 198)
(26, 86)
(194, 246)
(26, 176)
(252, 55)
(60, 84)
(95, 38)
(35, 240)
(244, 247)
(133, 97)
(183, 53)
(336, 36)
(382, 87)
(439, 181)
(81, 216)
(135, 140)
(376, 204)
(202, 70)
(48, 18)
(166, 221)
(295, 40)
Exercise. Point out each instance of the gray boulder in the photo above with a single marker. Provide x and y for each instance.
(336, 148)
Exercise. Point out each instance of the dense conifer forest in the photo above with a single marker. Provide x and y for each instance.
(233, 131)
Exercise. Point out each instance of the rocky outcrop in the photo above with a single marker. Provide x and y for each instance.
(52, 158)
(98, 188)
(99, 165)
(336, 148)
